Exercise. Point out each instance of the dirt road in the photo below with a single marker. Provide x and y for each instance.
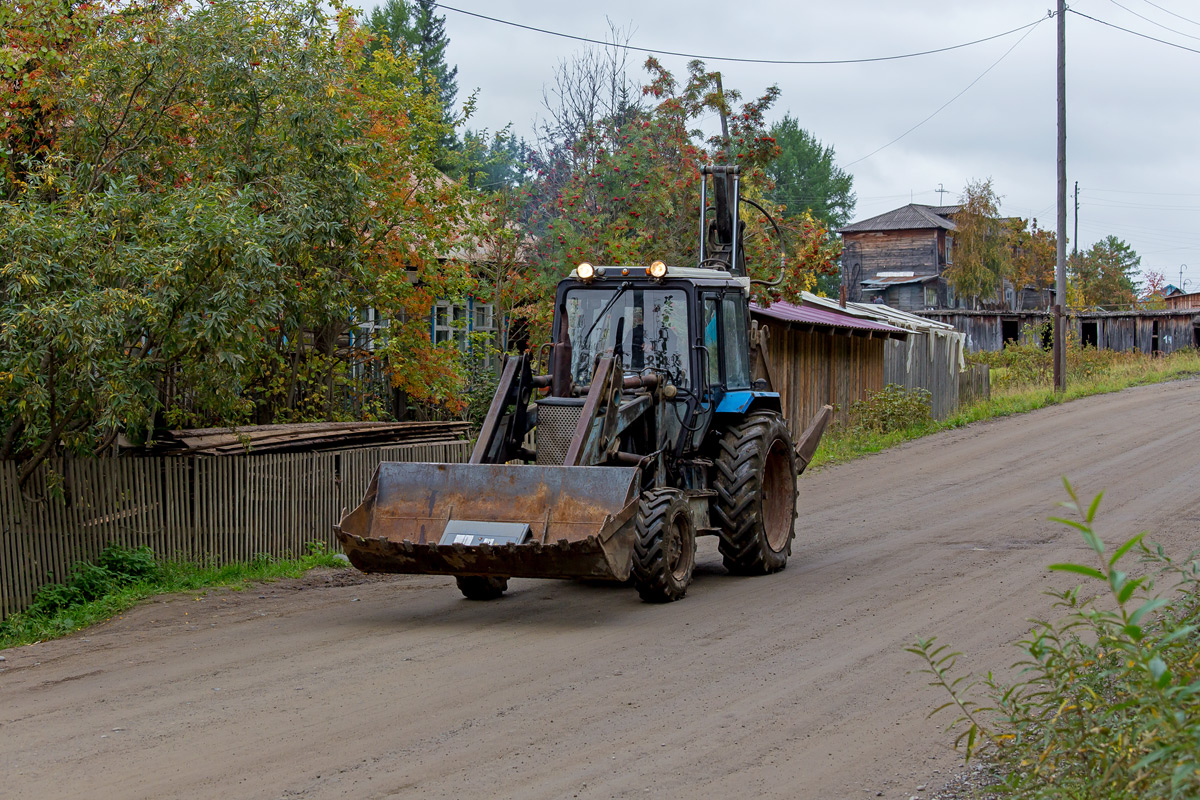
(790, 686)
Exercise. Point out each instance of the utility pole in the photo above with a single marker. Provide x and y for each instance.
(941, 191)
(1060, 270)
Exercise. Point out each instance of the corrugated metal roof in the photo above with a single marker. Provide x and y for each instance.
(818, 315)
(913, 216)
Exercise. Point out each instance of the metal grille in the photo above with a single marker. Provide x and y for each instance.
(555, 427)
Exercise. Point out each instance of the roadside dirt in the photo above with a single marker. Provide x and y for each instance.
(791, 686)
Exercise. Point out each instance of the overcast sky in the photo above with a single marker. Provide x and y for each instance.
(1133, 105)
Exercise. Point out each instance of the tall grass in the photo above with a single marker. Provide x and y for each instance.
(120, 577)
(1022, 382)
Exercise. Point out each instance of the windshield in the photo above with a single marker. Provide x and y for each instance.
(654, 334)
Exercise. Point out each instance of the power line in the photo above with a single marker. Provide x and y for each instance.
(1172, 13)
(1153, 22)
(1135, 33)
(948, 102)
(733, 58)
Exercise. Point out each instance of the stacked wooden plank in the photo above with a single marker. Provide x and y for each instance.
(306, 437)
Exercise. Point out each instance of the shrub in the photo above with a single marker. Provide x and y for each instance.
(1106, 700)
(892, 409)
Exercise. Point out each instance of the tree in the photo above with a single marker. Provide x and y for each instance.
(623, 188)
(806, 177)
(1034, 255)
(1106, 274)
(982, 244)
(1152, 291)
(411, 28)
(234, 182)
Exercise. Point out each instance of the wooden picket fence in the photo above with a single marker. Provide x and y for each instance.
(225, 508)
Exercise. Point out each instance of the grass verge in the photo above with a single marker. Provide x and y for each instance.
(1020, 390)
(120, 577)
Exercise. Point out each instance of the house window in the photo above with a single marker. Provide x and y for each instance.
(370, 329)
(451, 324)
(949, 250)
(471, 326)
(931, 297)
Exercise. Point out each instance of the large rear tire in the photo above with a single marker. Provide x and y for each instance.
(755, 504)
(664, 552)
(481, 587)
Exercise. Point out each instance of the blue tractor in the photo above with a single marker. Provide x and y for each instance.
(654, 424)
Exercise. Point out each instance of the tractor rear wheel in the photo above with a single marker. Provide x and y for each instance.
(481, 587)
(664, 552)
(755, 504)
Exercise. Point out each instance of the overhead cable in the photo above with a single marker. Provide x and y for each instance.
(942, 107)
(1135, 33)
(1153, 22)
(656, 51)
(1172, 13)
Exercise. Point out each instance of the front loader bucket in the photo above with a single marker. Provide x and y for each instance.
(495, 519)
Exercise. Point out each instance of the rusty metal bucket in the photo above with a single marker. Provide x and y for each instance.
(495, 519)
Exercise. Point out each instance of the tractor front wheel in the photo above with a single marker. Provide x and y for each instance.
(481, 587)
(755, 505)
(664, 553)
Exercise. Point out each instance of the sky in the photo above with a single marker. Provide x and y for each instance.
(983, 111)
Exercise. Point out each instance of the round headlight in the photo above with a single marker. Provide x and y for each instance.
(657, 269)
(585, 271)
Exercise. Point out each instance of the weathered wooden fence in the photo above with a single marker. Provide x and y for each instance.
(930, 361)
(974, 384)
(225, 508)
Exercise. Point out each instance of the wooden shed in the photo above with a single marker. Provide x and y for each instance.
(819, 355)
(1162, 331)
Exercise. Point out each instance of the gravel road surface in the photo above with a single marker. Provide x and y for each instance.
(795, 685)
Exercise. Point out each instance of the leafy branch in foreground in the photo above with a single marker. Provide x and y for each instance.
(1105, 703)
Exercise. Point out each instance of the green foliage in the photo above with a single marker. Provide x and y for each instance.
(624, 188)
(894, 408)
(1106, 275)
(236, 179)
(1028, 364)
(807, 178)
(410, 28)
(1105, 704)
(982, 244)
(121, 576)
(845, 442)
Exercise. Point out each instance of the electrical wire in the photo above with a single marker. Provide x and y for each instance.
(1152, 22)
(733, 58)
(1172, 13)
(943, 106)
(1135, 33)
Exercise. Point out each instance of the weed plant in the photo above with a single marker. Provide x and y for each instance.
(1094, 372)
(121, 576)
(893, 409)
(1105, 703)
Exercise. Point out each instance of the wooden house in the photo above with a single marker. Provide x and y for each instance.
(898, 258)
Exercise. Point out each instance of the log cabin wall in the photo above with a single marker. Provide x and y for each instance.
(890, 251)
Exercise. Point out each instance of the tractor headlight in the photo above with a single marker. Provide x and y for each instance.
(657, 270)
(585, 271)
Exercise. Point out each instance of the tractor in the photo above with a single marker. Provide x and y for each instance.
(654, 424)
